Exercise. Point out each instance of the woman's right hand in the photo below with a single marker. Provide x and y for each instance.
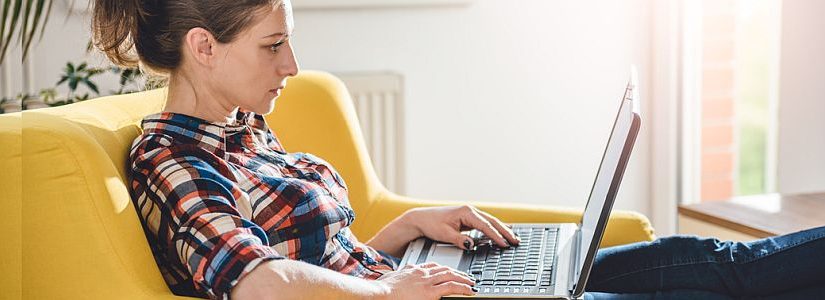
(426, 281)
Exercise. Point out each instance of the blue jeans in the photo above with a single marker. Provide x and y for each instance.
(688, 267)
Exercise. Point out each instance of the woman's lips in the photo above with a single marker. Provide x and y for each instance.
(276, 91)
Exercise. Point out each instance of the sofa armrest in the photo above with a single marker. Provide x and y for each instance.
(623, 227)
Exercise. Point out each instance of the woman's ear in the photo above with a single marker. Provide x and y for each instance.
(199, 44)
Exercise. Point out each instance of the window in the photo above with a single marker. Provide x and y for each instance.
(736, 106)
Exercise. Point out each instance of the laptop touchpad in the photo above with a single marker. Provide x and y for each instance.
(446, 254)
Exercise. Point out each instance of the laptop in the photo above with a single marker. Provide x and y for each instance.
(552, 261)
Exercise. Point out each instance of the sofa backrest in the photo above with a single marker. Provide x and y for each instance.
(11, 186)
(81, 235)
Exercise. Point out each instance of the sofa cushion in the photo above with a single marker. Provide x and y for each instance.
(81, 231)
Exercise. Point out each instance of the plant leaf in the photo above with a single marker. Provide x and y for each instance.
(25, 28)
(15, 17)
(35, 20)
(126, 76)
(62, 79)
(71, 10)
(73, 83)
(95, 71)
(46, 19)
(89, 46)
(6, 11)
(23, 19)
(91, 85)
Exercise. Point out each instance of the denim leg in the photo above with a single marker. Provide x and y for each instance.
(762, 267)
(661, 295)
(816, 292)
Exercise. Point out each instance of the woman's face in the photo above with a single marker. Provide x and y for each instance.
(258, 62)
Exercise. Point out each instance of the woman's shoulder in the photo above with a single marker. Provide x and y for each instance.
(148, 144)
(152, 149)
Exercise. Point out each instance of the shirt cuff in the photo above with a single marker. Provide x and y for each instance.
(232, 268)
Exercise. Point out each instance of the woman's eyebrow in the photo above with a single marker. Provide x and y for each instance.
(275, 34)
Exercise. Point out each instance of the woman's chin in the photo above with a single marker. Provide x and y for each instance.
(267, 107)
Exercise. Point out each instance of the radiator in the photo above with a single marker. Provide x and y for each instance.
(378, 99)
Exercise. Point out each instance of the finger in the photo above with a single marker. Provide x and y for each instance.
(461, 240)
(477, 221)
(502, 228)
(428, 265)
(440, 269)
(454, 288)
(449, 269)
(450, 275)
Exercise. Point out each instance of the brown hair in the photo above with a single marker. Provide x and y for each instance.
(155, 28)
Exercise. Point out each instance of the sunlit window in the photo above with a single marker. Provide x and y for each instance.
(739, 58)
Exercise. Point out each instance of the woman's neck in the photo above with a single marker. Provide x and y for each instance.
(187, 97)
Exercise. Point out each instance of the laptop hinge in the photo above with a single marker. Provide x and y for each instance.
(576, 269)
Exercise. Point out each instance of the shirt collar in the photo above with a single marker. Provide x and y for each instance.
(209, 135)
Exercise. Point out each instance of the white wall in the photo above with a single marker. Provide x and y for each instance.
(801, 140)
(506, 101)
(512, 101)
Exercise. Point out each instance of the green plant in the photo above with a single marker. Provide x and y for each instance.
(80, 74)
(23, 97)
(48, 95)
(25, 18)
(128, 76)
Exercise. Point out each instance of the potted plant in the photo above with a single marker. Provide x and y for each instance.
(80, 74)
(44, 97)
(11, 105)
(128, 78)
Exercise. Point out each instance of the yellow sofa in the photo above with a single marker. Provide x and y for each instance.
(74, 232)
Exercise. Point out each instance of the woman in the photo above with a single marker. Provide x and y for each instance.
(228, 212)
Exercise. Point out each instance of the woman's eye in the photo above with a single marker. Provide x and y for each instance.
(274, 47)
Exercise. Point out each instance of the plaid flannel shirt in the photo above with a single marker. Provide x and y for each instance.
(217, 199)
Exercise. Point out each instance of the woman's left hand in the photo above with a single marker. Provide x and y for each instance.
(445, 224)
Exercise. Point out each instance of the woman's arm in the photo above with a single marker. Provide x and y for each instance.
(395, 236)
(291, 279)
(441, 224)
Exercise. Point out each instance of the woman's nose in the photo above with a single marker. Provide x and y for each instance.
(290, 65)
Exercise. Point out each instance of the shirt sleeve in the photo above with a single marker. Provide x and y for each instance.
(375, 262)
(199, 221)
(382, 261)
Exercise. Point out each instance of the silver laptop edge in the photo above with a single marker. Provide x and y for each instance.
(577, 243)
(613, 165)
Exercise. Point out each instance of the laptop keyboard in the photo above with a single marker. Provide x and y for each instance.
(527, 268)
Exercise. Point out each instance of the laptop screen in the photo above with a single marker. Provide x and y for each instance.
(606, 184)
